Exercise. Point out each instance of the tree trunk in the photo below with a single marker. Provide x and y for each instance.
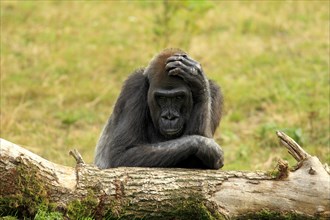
(28, 182)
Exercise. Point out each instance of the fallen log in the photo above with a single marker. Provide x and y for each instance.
(28, 182)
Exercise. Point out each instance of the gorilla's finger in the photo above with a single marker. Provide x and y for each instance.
(189, 62)
(178, 64)
(175, 58)
(171, 65)
(176, 72)
(193, 62)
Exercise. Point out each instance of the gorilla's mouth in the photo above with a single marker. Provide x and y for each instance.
(171, 128)
(172, 132)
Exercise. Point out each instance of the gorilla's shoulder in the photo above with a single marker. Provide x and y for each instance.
(137, 75)
(135, 80)
(136, 84)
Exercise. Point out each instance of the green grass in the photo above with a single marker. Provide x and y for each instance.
(63, 64)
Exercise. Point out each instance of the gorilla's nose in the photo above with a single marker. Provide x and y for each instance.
(169, 117)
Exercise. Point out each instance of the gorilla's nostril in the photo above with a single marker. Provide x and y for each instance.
(169, 117)
(172, 118)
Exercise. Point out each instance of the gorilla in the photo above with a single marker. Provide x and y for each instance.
(165, 116)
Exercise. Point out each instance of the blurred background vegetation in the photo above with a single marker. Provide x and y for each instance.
(63, 64)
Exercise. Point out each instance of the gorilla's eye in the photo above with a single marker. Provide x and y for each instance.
(179, 97)
(161, 100)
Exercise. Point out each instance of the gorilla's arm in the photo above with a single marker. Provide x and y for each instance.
(161, 154)
(206, 94)
(216, 105)
(170, 153)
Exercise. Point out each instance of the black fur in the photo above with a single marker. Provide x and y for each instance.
(135, 134)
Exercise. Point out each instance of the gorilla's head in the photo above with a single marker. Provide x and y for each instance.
(169, 97)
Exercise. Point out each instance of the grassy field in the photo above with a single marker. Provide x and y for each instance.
(63, 64)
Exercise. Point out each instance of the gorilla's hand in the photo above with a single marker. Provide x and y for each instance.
(190, 71)
(210, 153)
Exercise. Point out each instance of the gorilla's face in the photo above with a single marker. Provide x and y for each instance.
(170, 104)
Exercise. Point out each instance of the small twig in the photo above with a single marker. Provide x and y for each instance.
(76, 155)
(294, 149)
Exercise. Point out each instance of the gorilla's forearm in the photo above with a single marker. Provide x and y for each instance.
(205, 109)
(201, 122)
(161, 154)
(170, 153)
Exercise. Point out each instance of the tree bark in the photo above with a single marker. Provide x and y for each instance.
(28, 181)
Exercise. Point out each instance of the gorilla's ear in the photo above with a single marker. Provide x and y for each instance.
(148, 73)
(150, 69)
(147, 79)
